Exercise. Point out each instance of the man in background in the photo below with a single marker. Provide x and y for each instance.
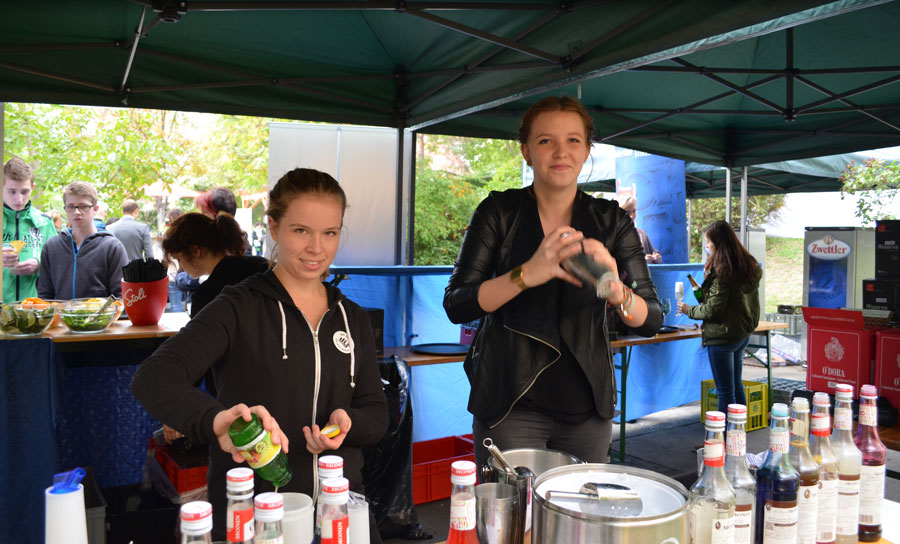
(133, 234)
(629, 204)
(25, 231)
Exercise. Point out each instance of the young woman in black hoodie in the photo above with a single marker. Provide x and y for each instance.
(283, 345)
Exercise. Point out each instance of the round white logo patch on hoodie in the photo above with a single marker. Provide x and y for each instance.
(342, 342)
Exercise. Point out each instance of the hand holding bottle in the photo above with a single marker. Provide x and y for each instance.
(556, 247)
(316, 442)
(225, 418)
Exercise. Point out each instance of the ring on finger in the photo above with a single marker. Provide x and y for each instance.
(565, 234)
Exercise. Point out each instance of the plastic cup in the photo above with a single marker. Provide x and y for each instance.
(298, 518)
(358, 512)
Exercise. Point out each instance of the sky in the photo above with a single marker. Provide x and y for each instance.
(816, 210)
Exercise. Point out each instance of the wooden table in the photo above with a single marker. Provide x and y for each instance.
(626, 344)
(420, 359)
(168, 325)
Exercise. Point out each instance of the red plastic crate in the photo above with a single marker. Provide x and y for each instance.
(184, 479)
(431, 465)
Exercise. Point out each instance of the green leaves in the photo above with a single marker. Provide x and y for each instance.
(876, 183)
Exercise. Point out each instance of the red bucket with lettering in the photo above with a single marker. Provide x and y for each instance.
(145, 301)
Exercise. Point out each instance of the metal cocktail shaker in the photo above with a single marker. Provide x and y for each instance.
(590, 272)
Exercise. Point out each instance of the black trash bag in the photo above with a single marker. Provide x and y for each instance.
(387, 469)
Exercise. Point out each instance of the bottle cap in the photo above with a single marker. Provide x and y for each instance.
(239, 479)
(268, 507)
(715, 419)
(800, 404)
(868, 391)
(821, 399)
(462, 473)
(843, 391)
(331, 466)
(336, 490)
(779, 410)
(196, 517)
(737, 413)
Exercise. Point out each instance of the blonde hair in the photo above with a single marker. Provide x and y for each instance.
(81, 188)
(18, 170)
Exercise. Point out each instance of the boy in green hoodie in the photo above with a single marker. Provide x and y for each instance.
(21, 222)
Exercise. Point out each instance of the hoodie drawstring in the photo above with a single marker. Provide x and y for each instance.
(283, 332)
(352, 346)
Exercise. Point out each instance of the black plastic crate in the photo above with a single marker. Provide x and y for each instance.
(140, 515)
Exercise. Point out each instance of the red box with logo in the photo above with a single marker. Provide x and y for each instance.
(840, 348)
(887, 365)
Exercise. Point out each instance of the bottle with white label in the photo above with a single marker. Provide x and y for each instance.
(738, 474)
(849, 465)
(712, 499)
(820, 447)
(874, 455)
(196, 523)
(462, 503)
(803, 462)
(239, 521)
(334, 527)
(777, 484)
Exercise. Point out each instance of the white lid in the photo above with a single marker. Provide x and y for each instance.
(239, 479)
(269, 507)
(800, 404)
(737, 413)
(196, 517)
(335, 491)
(868, 391)
(462, 473)
(821, 399)
(843, 390)
(331, 466)
(715, 420)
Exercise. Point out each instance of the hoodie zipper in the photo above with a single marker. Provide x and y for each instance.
(536, 376)
(18, 296)
(318, 358)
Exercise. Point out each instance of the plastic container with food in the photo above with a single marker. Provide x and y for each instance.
(26, 318)
(88, 315)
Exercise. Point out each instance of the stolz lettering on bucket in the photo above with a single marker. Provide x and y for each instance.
(131, 299)
(835, 372)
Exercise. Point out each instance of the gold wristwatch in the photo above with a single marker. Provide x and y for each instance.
(517, 275)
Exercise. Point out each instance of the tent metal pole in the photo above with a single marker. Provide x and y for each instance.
(398, 226)
(745, 234)
(134, 45)
(411, 199)
(728, 195)
(2, 156)
(690, 222)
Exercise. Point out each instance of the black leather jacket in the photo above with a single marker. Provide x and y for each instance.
(517, 342)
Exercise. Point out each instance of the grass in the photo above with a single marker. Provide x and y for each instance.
(784, 272)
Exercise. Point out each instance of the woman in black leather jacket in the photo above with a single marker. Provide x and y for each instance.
(540, 367)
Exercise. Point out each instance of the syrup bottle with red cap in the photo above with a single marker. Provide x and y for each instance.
(462, 504)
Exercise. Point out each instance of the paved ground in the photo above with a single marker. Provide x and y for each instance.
(664, 442)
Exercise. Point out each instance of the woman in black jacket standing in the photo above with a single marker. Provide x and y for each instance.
(540, 367)
(729, 310)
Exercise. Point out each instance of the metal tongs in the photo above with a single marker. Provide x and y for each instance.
(603, 499)
(498, 455)
(102, 309)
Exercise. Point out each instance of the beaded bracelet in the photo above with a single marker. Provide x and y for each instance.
(625, 313)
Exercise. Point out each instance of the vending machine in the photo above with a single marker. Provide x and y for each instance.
(835, 261)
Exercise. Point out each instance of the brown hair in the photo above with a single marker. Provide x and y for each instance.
(128, 206)
(217, 199)
(18, 170)
(81, 188)
(299, 182)
(731, 262)
(195, 230)
(556, 103)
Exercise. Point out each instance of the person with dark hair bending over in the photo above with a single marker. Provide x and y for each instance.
(540, 366)
(730, 309)
(283, 345)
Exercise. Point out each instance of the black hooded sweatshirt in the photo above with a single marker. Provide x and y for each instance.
(262, 351)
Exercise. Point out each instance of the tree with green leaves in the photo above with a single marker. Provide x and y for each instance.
(876, 183)
(707, 210)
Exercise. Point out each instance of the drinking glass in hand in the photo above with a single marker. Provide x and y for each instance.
(679, 293)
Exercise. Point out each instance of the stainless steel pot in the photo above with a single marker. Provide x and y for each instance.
(539, 461)
(663, 518)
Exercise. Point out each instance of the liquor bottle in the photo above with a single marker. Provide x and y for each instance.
(738, 474)
(871, 478)
(269, 513)
(462, 503)
(254, 443)
(327, 467)
(335, 524)
(776, 485)
(239, 522)
(695, 287)
(820, 447)
(712, 499)
(849, 465)
(196, 523)
(803, 462)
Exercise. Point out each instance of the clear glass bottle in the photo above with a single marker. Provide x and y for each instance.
(462, 504)
(777, 484)
(849, 466)
(712, 500)
(196, 522)
(334, 527)
(874, 456)
(239, 522)
(327, 467)
(820, 447)
(269, 513)
(738, 474)
(803, 462)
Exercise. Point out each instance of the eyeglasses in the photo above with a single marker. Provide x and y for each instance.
(70, 208)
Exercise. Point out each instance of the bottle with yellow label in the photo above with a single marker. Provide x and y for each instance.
(255, 444)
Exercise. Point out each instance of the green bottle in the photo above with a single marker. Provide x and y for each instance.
(695, 287)
(265, 458)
